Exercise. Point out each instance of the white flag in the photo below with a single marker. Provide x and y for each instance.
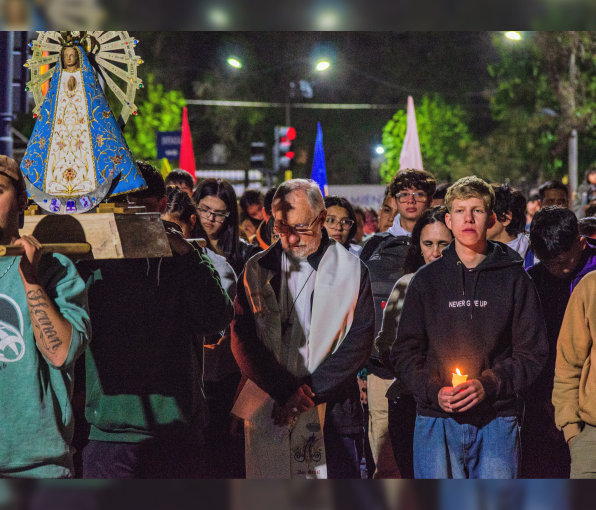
(411, 156)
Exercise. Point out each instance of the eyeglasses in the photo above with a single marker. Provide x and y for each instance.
(332, 223)
(282, 229)
(417, 196)
(218, 217)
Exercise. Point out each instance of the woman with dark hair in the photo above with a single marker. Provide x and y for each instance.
(430, 236)
(218, 215)
(341, 222)
(181, 210)
(419, 253)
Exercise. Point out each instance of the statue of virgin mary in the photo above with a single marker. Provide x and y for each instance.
(77, 155)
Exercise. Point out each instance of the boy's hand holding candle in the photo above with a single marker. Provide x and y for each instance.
(462, 395)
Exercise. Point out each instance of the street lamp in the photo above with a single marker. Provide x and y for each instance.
(514, 36)
(234, 62)
(323, 65)
(328, 20)
(379, 149)
(218, 18)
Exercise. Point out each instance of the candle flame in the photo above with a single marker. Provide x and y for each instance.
(457, 371)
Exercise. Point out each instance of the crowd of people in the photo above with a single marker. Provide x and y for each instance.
(447, 335)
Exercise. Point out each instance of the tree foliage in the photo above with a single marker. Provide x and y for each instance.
(159, 110)
(444, 138)
(537, 103)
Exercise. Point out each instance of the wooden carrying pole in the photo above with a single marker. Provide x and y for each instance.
(201, 242)
(63, 248)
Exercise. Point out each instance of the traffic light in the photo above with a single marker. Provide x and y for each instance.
(283, 152)
(257, 156)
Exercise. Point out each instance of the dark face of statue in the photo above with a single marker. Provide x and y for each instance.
(70, 59)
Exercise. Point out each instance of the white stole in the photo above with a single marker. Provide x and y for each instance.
(296, 451)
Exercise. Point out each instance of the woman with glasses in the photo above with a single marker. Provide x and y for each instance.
(341, 222)
(181, 210)
(218, 215)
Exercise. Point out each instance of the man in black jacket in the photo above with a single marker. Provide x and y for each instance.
(565, 258)
(144, 374)
(476, 310)
(303, 329)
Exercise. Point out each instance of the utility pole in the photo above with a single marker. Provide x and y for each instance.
(573, 137)
(6, 77)
(291, 94)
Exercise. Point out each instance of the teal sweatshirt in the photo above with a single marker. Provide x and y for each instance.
(36, 422)
(144, 368)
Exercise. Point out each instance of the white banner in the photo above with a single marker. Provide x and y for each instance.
(364, 195)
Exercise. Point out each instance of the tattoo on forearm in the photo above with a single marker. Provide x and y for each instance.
(38, 305)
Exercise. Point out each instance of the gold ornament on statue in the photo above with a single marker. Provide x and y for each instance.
(113, 54)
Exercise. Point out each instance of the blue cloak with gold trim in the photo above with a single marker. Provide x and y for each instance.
(77, 153)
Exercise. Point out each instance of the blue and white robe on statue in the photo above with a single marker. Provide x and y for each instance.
(76, 143)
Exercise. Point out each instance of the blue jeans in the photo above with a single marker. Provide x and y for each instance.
(445, 449)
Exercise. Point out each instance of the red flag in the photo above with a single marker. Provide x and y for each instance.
(187, 155)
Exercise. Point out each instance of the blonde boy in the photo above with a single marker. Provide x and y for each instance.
(475, 309)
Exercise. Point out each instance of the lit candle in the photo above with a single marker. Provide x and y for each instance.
(458, 378)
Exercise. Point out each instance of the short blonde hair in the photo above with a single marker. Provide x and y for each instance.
(471, 187)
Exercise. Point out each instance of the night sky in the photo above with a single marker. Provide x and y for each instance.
(367, 67)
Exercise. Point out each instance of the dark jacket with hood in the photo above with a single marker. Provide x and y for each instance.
(145, 367)
(384, 255)
(334, 381)
(486, 321)
(240, 257)
(554, 295)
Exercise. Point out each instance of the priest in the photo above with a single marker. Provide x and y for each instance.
(304, 327)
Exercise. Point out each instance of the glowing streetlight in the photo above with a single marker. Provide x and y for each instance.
(218, 18)
(380, 149)
(234, 62)
(514, 36)
(328, 20)
(323, 65)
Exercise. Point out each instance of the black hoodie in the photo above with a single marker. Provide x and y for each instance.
(486, 321)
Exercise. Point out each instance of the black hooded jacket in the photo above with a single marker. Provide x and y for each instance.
(486, 321)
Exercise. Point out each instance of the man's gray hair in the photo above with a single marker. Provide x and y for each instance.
(308, 186)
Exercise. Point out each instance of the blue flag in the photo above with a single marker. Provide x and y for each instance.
(319, 172)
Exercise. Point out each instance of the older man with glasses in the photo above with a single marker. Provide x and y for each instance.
(303, 329)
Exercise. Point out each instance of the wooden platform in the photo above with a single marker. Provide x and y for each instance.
(112, 235)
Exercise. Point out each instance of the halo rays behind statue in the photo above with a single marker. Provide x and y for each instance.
(77, 154)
